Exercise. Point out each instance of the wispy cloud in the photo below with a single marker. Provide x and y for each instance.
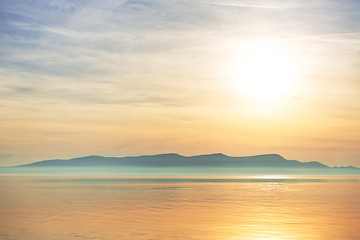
(135, 43)
(255, 5)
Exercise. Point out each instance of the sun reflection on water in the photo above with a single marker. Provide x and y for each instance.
(272, 176)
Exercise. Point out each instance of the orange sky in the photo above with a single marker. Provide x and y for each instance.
(192, 77)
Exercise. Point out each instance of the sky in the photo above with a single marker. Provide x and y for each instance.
(119, 78)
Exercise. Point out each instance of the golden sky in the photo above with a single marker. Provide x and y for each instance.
(118, 78)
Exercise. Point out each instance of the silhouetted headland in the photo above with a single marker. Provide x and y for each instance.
(217, 163)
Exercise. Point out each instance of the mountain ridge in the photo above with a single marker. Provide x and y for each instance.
(177, 160)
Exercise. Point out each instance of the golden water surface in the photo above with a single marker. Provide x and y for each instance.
(47, 208)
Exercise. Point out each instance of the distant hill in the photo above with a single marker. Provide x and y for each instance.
(269, 163)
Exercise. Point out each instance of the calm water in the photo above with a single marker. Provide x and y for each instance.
(46, 208)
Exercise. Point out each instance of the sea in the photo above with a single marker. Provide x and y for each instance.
(57, 207)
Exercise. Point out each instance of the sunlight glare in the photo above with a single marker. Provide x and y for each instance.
(272, 177)
(267, 72)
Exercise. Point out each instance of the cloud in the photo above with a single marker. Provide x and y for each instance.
(256, 5)
(134, 46)
(86, 50)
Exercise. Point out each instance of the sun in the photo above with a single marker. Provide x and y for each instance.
(266, 72)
